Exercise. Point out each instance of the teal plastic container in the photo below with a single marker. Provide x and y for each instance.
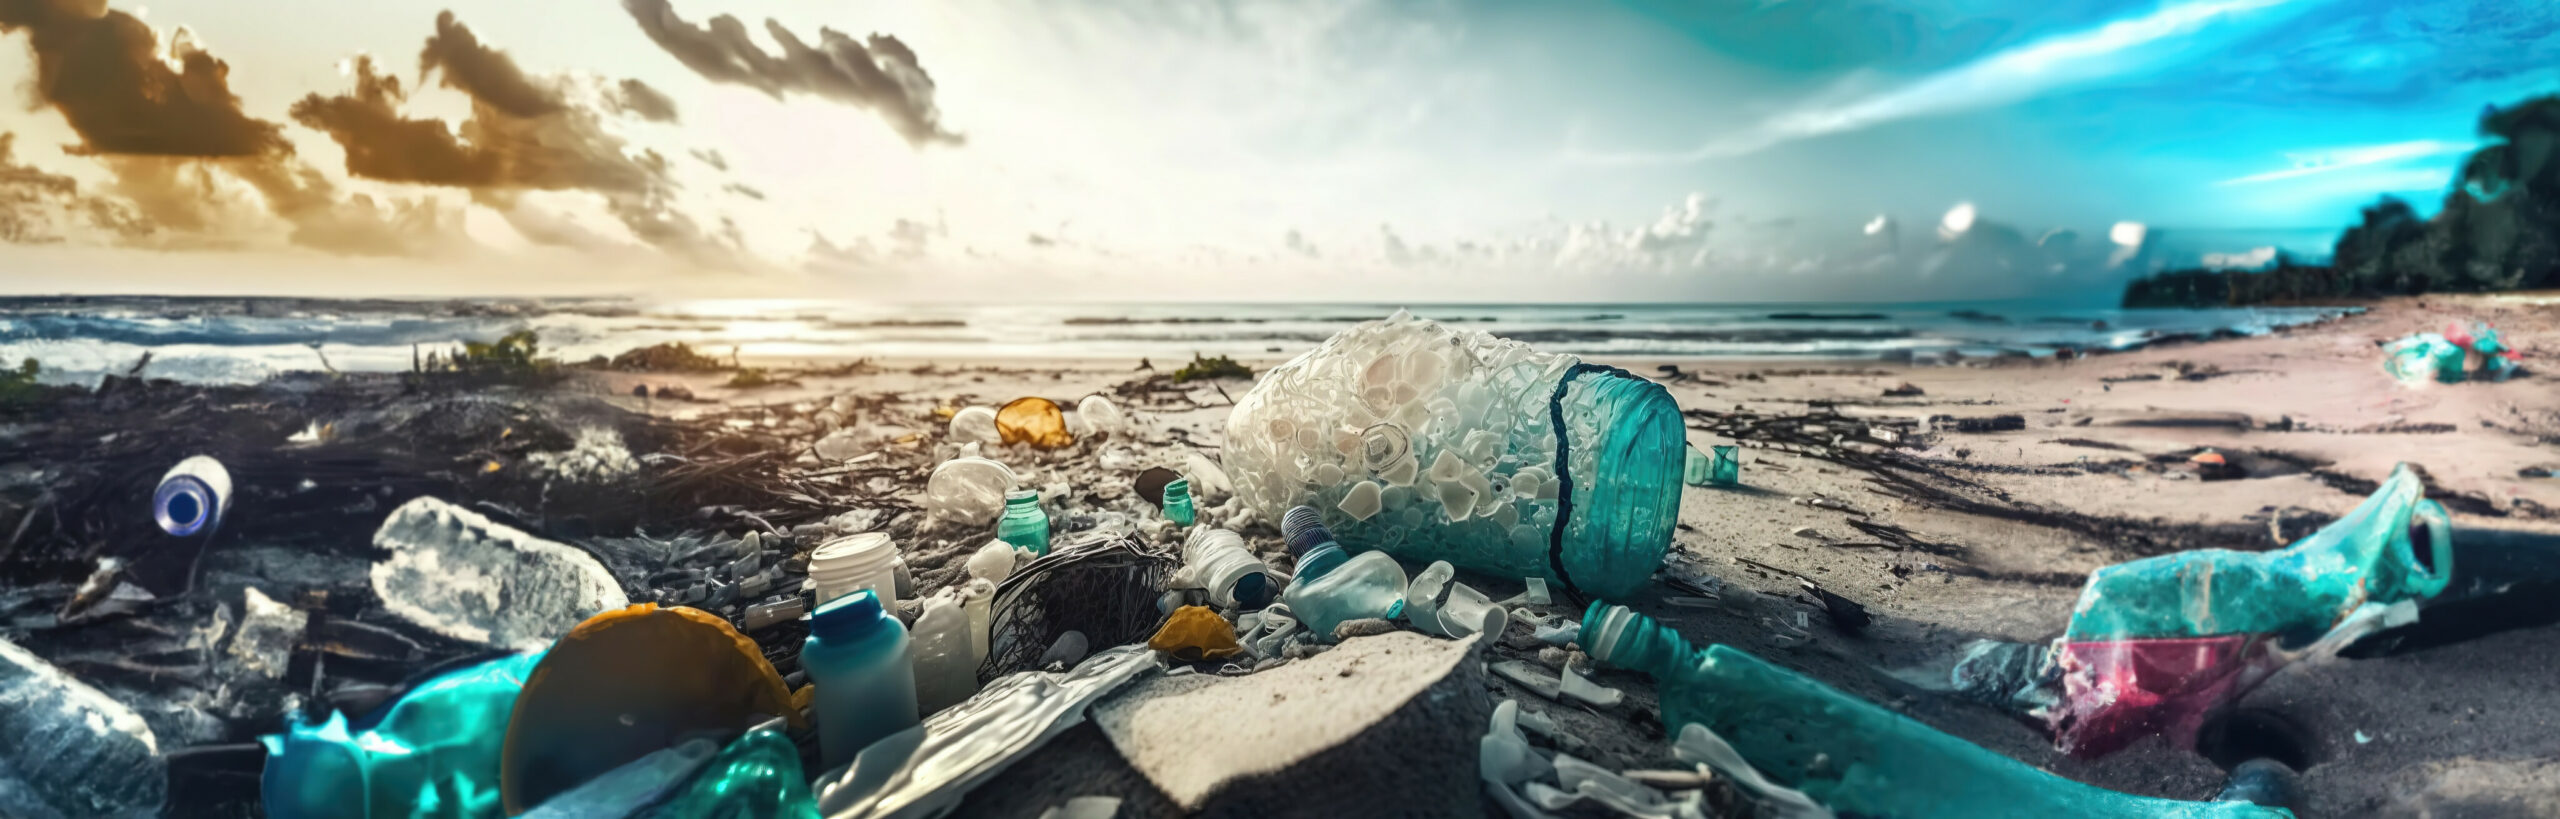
(2424, 357)
(1853, 756)
(857, 657)
(1696, 468)
(1024, 524)
(1177, 502)
(1725, 469)
(432, 754)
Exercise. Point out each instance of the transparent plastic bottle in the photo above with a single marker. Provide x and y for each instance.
(945, 672)
(1217, 560)
(857, 657)
(1371, 585)
(1025, 524)
(1439, 444)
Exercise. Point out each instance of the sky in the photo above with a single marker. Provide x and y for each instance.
(1351, 150)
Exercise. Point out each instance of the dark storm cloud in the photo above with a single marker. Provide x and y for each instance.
(881, 74)
(102, 69)
(638, 99)
(488, 75)
(164, 131)
(382, 144)
(564, 149)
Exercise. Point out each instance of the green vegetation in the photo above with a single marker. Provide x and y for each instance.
(1201, 367)
(2499, 230)
(670, 357)
(20, 384)
(516, 355)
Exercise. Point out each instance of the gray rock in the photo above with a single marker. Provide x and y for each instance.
(1370, 627)
(456, 573)
(68, 750)
(1379, 726)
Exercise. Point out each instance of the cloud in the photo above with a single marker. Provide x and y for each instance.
(711, 157)
(637, 99)
(1037, 240)
(522, 135)
(162, 118)
(484, 73)
(35, 206)
(124, 94)
(883, 76)
(743, 190)
(2122, 47)
(2320, 162)
(1298, 244)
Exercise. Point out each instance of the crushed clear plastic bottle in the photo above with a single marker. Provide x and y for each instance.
(1439, 444)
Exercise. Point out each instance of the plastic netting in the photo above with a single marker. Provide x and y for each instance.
(1102, 584)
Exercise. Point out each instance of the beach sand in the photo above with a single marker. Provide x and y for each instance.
(2460, 727)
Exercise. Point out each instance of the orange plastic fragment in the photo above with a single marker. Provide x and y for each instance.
(2214, 458)
(1196, 633)
(629, 682)
(1033, 420)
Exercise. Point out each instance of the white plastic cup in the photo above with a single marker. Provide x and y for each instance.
(855, 562)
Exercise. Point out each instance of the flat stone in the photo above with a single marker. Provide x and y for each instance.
(1379, 726)
(456, 573)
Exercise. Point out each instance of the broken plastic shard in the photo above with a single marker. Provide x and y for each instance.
(1067, 651)
(841, 445)
(1699, 746)
(67, 751)
(926, 770)
(1477, 428)
(1583, 690)
(456, 573)
(268, 631)
(1196, 633)
(992, 562)
(632, 788)
(1363, 501)
(1529, 677)
(1440, 606)
(1084, 807)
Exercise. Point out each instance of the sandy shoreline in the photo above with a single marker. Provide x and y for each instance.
(2308, 407)
(2091, 472)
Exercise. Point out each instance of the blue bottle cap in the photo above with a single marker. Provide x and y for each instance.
(847, 617)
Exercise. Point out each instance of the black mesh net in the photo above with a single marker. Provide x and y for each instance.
(1104, 585)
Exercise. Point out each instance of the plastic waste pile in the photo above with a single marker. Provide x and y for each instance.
(2464, 351)
(1433, 443)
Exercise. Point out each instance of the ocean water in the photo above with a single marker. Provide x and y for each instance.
(216, 340)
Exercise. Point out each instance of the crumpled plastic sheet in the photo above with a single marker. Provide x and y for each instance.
(925, 771)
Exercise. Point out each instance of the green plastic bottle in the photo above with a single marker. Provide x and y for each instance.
(1024, 524)
(756, 777)
(1177, 502)
(1851, 755)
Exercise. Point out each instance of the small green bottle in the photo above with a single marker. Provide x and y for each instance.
(1177, 502)
(1024, 524)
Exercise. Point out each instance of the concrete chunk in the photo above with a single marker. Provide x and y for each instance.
(1380, 726)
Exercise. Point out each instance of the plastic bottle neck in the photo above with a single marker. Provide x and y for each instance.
(848, 618)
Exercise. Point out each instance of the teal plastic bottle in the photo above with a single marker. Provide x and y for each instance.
(1177, 502)
(1024, 524)
(1851, 755)
(857, 657)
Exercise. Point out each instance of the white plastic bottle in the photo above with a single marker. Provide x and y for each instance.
(941, 652)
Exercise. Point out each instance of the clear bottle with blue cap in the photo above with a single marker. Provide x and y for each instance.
(857, 657)
(1331, 588)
